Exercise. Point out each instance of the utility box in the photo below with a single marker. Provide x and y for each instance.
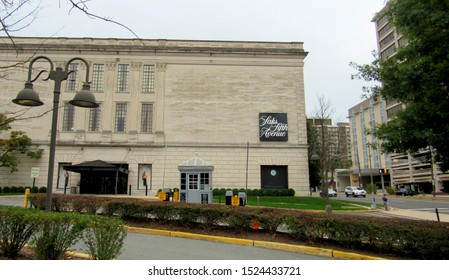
(195, 184)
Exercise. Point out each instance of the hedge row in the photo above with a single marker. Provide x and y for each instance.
(51, 234)
(249, 192)
(399, 237)
(21, 190)
(255, 192)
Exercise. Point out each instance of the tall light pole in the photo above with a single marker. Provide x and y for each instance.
(29, 97)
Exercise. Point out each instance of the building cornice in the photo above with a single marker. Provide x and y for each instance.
(158, 46)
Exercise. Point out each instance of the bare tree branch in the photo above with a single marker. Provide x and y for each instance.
(82, 6)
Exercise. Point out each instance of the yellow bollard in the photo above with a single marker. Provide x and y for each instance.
(235, 201)
(25, 198)
(176, 196)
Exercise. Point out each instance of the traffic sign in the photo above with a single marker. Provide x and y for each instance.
(34, 172)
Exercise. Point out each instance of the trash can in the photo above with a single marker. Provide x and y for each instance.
(242, 198)
(167, 193)
(228, 197)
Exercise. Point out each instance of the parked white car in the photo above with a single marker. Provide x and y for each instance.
(330, 193)
(355, 191)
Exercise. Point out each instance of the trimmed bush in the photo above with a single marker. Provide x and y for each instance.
(34, 189)
(16, 227)
(37, 201)
(13, 189)
(57, 232)
(104, 238)
(6, 190)
(20, 190)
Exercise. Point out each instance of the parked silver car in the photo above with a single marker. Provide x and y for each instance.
(355, 191)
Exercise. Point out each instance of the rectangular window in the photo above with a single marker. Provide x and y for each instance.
(146, 124)
(148, 78)
(97, 77)
(204, 181)
(193, 181)
(183, 182)
(72, 78)
(120, 117)
(123, 77)
(68, 122)
(94, 119)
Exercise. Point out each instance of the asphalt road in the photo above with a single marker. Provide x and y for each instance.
(411, 203)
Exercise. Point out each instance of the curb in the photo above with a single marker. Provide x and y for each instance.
(261, 244)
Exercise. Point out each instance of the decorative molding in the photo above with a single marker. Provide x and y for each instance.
(161, 67)
(136, 66)
(111, 65)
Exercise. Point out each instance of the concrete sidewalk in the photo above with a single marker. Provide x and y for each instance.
(416, 215)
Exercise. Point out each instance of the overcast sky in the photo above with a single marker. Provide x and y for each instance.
(334, 32)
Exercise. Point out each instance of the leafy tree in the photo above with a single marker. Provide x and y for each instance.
(418, 77)
(314, 169)
(17, 143)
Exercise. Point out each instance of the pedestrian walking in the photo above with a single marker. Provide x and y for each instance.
(385, 201)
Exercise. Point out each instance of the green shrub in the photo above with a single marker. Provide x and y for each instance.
(187, 216)
(20, 190)
(370, 188)
(104, 238)
(270, 219)
(239, 220)
(1, 189)
(6, 190)
(16, 227)
(34, 189)
(42, 189)
(38, 201)
(390, 190)
(163, 212)
(13, 189)
(210, 216)
(88, 204)
(57, 232)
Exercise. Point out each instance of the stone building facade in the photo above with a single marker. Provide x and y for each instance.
(237, 105)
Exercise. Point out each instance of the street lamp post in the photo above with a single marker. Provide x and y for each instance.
(29, 97)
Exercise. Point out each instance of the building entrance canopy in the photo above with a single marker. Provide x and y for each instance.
(97, 166)
(100, 177)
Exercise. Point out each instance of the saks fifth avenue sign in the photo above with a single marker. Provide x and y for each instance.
(273, 127)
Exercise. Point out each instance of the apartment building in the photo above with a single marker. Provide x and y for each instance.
(367, 157)
(338, 143)
(239, 106)
(414, 171)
